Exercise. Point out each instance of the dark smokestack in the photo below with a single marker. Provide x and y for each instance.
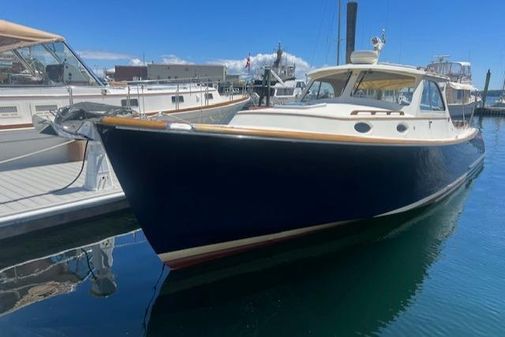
(352, 11)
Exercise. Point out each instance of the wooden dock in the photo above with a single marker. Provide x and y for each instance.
(30, 200)
(490, 111)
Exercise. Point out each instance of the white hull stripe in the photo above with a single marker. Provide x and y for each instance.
(196, 252)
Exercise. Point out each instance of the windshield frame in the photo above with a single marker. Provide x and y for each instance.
(18, 55)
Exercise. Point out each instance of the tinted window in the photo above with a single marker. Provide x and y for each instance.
(362, 127)
(133, 102)
(432, 98)
(285, 91)
(177, 99)
(208, 96)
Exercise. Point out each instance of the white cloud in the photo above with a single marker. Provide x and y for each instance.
(136, 62)
(173, 59)
(102, 55)
(258, 61)
(99, 71)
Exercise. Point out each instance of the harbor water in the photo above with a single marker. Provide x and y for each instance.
(438, 271)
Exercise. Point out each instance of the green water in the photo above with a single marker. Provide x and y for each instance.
(439, 271)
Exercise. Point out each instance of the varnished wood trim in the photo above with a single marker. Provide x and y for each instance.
(135, 123)
(210, 106)
(315, 136)
(16, 126)
(283, 134)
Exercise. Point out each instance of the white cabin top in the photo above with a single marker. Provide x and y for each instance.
(386, 67)
(366, 100)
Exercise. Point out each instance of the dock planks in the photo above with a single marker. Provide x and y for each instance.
(29, 199)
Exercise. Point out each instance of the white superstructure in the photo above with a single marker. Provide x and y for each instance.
(366, 101)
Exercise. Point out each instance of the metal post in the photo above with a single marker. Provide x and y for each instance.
(268, 85)
(352, 10)
(486, 86)
(70, 95)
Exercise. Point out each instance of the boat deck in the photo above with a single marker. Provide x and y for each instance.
(30, 200)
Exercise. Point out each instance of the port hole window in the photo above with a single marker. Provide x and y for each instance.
(325, 88)
(208, 96)
(431, 99)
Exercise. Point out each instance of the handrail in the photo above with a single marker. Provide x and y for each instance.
(374, 112)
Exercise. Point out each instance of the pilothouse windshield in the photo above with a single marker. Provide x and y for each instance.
(385, 86)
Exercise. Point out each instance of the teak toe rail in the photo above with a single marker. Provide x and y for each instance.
(281, 134)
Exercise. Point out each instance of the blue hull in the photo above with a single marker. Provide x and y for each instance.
(192, 189)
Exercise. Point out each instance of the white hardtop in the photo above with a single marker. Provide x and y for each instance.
(385, 67)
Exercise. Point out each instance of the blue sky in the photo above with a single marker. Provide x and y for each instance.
(118, 32)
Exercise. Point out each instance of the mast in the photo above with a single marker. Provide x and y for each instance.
(338, 30)
(352, 9)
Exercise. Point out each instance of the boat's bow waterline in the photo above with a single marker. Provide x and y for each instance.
(364, 141)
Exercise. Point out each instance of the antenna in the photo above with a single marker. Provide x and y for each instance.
(379, 42)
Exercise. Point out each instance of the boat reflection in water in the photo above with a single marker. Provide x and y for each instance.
(311, 285)
(37, 280)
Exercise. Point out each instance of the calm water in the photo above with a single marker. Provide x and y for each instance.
(435, 272)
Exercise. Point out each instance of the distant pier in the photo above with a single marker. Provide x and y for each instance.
(490, 111)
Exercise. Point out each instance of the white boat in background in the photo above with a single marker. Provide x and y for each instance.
(462, 96)
(288, 91)
(500, 102)
(284, 86)
(40, 73)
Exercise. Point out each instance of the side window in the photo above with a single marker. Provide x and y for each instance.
(432, 97)
(321, 90)
(177, 99)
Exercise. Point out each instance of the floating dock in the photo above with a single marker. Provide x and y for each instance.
(490, 111)
(30, 199)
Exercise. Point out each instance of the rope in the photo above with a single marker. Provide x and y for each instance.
(34, 153)
(80, 171)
